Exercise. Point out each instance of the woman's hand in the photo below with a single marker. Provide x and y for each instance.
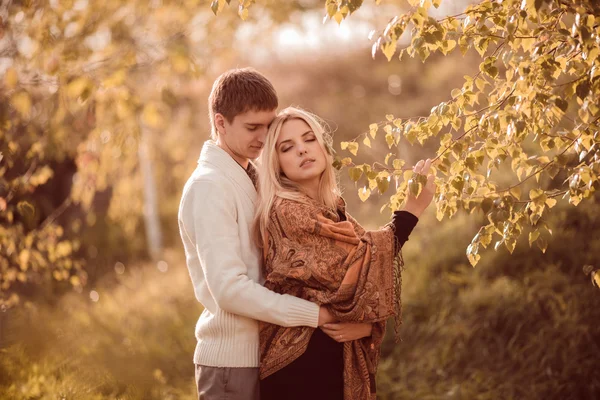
(347, 331)
(416, 205)
(325, 316)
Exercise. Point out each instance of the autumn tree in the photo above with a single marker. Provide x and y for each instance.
(531, 112)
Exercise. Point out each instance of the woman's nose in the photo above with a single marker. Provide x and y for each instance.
(301, 149)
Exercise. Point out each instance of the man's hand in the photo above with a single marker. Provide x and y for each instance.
(325, 316)
(416, 205)
(348, 331)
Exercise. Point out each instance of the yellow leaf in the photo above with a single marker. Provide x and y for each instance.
(22, 103)
(344, 145)
(151, 116)
(516, 192)
(550, 202)
(372, 184)
(387, 157)
(367, 141)
(243, 14)
(63, 249)
(473, 258)
(389, 138)
(346, 161)
(338, 17)
(373, 130)
(389, 48)
(596, 276)
(533, 237)
(10, 78)
(77, 87)
(353, 148)
(24, 259)
(115, 79)
(364, 193)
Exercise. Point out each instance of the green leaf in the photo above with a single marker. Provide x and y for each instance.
(516, 192)
(214, 6)
(562, 104)
(533, 236)
(383, 184)
(355, 173)
(486, 205)
(26, 209)
(542, 244)
(398, 164)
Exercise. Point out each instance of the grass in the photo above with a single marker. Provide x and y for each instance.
(516, 327)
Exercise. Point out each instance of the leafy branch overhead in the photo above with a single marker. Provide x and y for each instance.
(532, 109)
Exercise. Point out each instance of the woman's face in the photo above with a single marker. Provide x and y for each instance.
(301, 157)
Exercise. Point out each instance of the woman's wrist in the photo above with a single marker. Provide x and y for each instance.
(413, 210)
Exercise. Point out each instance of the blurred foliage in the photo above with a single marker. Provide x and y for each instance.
(132, 340)
(82, 84)
(76, 90)
(520, 326)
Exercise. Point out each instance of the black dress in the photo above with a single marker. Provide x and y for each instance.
(318, 374)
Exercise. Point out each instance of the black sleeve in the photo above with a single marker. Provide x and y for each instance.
(404, 222)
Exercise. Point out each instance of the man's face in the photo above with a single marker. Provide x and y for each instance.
(244, 137)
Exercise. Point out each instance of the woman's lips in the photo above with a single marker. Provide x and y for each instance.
(306, 162)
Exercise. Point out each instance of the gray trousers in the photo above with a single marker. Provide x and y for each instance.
(214, 383)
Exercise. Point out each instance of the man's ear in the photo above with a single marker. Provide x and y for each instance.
(220, 123)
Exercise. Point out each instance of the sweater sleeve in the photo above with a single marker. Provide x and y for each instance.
(404, 223)
(210, 219)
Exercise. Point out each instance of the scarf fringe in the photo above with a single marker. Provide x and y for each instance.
(398, 269)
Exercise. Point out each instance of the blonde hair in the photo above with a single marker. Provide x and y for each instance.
(273, 184)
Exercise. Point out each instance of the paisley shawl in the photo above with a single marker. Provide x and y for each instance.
(311, 253)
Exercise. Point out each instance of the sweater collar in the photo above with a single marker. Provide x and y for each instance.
(216, 156)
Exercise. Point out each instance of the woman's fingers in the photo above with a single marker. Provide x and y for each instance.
(426, 167)
(418, 167)
(430, 183)
(335, 335)
(333, 327)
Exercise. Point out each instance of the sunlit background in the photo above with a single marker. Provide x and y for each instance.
(113, 315)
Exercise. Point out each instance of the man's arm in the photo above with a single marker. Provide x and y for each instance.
(210, 221)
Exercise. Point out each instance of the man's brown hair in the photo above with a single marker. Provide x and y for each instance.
(237, 91)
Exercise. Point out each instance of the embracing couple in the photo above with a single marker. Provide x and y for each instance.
(296, 293)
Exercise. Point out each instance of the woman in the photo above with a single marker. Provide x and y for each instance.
(314, 250)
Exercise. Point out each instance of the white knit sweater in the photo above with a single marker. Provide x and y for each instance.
(215, 219)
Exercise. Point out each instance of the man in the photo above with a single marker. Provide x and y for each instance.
(215, 220)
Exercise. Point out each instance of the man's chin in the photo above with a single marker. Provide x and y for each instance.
(254, 154)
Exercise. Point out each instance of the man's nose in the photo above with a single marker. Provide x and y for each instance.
(262, 135)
